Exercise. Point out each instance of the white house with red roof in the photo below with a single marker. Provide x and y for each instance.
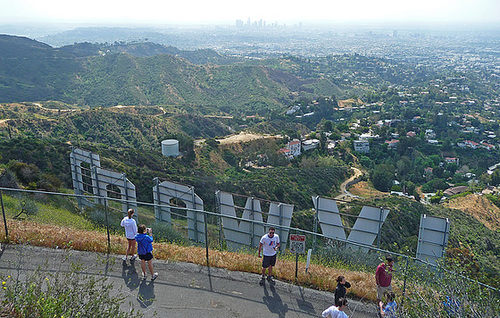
(471, 144)
(292, 149)
(286, 152)
(295, 147)
(487, 146)
(391, 144)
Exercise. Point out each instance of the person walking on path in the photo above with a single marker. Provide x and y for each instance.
(340, 290)
(145, 250)
(269, 244)
(130, 231)
(337, 310)
(383, 278)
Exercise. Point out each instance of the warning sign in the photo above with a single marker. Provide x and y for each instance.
(297, 243)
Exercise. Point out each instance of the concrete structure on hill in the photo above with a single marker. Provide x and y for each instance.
(170, 148)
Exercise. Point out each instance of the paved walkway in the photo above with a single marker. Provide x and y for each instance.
(182, 289)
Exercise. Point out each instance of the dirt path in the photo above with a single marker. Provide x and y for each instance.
(55, 110)
(345, 195)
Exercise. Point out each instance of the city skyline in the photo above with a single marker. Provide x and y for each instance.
(224, 11)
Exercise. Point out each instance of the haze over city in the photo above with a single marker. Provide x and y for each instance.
(463, 12)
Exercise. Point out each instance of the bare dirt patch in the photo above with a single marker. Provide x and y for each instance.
(364, 189)
(243, 137)
(479, 207)
(347, 103)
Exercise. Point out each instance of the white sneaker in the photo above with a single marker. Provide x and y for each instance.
(133, 258)
(154, 276)
(144, 276)
(124, 258)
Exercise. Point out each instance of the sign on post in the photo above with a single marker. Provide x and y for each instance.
(297, 243)
(297, 246)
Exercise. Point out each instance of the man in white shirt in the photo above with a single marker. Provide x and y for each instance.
(269, 244)
(337, 310)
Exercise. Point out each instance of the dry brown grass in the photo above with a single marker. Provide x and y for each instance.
(318, 276)
(479, 207)
(365, 189)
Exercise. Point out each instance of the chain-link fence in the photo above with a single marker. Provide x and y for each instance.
(424, 288)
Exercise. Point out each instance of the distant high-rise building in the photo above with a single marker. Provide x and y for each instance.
(395, 33)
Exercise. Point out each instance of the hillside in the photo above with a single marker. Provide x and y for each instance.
(479, 207)
(121, 104)
(144, 49)
(128, 139)
(36, 154)
(471, 243)
(31, 71)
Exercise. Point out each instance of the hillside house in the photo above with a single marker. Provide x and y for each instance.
(294, 109)
(286, 152)
(310, 144)
(392, 144)
(488, 147)
(455, 190)
(362, 146)
(430, 134)
(295, 147)
(331, 146)
(471, 144)
(492, 169)
(368, 136)
(451, 160)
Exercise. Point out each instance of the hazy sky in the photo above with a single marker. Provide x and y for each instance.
(203, 11)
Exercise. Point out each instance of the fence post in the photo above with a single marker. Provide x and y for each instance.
(107, 226)
(280, 207)
(195, 214)
(219, 217)
(206, 236)
(125, 185)
(252, 224)
(379, 226)
(316, 221)
(404, 283)
(3, 213)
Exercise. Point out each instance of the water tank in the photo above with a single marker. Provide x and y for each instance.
(170, 147)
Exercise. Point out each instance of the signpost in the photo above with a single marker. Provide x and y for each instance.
(297, 246)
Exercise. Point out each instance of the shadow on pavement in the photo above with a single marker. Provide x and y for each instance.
(146, 295)
(274, 302)
(304, 305)
(130, 276)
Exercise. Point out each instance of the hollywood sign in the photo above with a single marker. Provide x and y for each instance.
(247, 229)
